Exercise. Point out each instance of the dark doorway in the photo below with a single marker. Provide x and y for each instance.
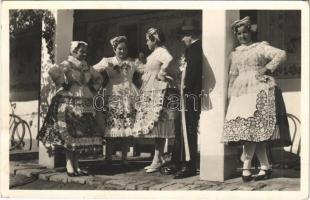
(131, 32)
(25, 64)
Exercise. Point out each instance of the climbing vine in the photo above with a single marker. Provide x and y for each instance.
(25, 19)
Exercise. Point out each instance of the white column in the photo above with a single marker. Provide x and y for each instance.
(217, 161)
(64, 34)
(63, 37)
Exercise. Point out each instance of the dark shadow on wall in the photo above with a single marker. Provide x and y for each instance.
(208, 84)
(289, 158)
(289, 85)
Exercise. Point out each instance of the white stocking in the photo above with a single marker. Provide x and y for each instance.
(262, 155)
(159, 150)
(248, 153)
(76, 160)
(69, 164)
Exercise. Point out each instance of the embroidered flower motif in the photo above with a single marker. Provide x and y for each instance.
(258, 128)
(56, 130)
(149, 112)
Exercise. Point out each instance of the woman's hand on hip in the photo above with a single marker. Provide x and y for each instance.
(161, 76)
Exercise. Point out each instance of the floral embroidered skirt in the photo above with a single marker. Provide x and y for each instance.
(157, 114)
(257, 117)
(117, 117)
(70, 123)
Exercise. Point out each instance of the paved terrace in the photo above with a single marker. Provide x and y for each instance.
(134, 178)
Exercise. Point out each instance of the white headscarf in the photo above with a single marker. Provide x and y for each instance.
(75, 45)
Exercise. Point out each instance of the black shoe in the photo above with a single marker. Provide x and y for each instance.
(246, 179)
(72, 174)
(267, 175)
(168, 169)
(185, 172)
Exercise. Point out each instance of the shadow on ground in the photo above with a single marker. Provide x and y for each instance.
(103, 168)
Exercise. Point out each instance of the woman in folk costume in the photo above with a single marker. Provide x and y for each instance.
(256, 112)
(117, 117)
(70, 121)
(157, 108)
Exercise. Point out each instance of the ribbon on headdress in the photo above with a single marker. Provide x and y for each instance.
(154, 33)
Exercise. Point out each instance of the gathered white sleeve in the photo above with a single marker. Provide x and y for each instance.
(102, 65)
(275, 55)
(58, 76)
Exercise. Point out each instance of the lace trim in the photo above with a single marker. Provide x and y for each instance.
(258, 128)
(148, 112)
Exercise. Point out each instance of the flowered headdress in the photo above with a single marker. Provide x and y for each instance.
(117, 40)
(243, 22)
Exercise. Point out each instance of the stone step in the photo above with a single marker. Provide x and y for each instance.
(24, 155)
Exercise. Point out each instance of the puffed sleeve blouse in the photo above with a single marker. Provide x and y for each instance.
(119, 73)
(157, 62)
(255, 56)
(76, 76)
(245, 62)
